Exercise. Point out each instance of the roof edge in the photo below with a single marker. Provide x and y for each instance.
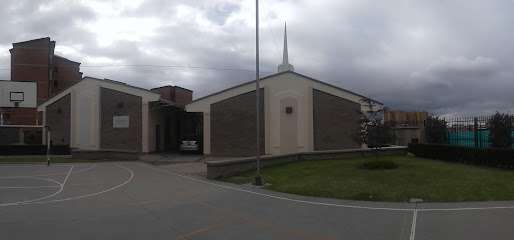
(277, 74)
(33, 40)
(97, 79)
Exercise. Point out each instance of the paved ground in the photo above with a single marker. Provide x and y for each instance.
(134, 200)
(182, 163)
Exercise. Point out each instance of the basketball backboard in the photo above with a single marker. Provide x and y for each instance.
(18, 94)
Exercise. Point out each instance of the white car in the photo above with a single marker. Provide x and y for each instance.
(189, 143)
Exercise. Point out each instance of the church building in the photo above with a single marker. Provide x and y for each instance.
(297, 113)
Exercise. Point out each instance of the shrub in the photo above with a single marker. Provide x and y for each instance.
(491, 157)
(373, 131)
(500, 131)
(435, 130)
(379, 165)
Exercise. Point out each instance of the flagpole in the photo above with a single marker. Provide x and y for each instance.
(258, 180)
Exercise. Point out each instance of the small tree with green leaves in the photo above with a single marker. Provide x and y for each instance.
(435, 130)
(500, 130)
(373, 131)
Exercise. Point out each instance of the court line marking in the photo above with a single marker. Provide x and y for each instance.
(30, 164)
(45, 179)
(413, 228)
(79, 197)
(33, 187)
(60, 190)
(25, 164)
(328, 204)
(50, 174)
(61, 186)
(464, 208)
(66, 179)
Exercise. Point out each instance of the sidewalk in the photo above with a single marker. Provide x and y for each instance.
(182, 163)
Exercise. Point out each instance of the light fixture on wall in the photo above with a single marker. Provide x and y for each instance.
(120, 104)
(289, 110)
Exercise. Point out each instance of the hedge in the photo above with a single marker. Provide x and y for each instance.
(491, 157)
(8, 150)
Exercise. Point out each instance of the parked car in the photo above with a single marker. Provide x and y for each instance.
(190, 143)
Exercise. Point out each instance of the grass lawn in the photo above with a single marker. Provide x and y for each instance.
(52, 160)
(430, 180)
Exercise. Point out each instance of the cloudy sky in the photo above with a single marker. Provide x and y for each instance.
(448, 57)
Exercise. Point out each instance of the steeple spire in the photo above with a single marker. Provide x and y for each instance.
(285, 66)
(285, 58)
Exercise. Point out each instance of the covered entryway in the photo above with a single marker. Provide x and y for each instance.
(169, 124)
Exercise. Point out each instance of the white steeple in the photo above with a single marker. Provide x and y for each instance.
(285, 66)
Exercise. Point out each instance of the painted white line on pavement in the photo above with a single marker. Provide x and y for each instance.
(33, 187)
(329, 204)
(38, 199)
(465, 208)
(50, 174)
(281, 198)
(49, 186)
(66, 179)
(49, 196)
(78, 197)
(413, 229)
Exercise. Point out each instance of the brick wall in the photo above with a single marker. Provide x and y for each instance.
(116, 103)
(179, 95)
(233, 126)
(30, 62)
(164, 91)
(64, 74)
(182, 96)
(23, 116)
(35, 61)
(58, 117)
(335, 122)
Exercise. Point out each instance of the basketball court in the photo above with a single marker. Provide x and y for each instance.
(134, 200)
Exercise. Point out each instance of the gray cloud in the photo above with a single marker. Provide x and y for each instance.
(447, 58)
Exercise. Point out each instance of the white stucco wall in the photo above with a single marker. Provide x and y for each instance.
(85, 110)
(276, 88)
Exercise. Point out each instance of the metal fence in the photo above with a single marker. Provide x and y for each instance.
(470, 132)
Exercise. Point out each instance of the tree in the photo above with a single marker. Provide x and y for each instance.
(435, 130)
(500, 130)
(373, 131)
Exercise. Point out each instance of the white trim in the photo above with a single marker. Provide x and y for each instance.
(203, 104)
(146, 95)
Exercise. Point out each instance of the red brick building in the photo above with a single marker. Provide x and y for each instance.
(178, 95)
(35, 61)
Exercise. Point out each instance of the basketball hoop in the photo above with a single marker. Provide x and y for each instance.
(16, 98)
